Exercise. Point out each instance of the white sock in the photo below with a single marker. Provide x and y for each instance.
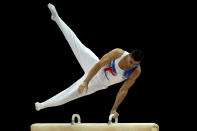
(54, 13)
(38, 106)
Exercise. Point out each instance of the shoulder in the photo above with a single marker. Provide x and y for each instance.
(135, 74)
(138, 70)
(131, 80)
(113, 54)
(118, 51)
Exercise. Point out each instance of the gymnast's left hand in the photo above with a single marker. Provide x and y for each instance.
(115, 113)
(84, 85)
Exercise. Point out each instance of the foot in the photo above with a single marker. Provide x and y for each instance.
(53, 11)
(38, 106)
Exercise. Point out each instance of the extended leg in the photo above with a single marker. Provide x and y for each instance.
(68, 95)
(61, 98)
(84, 55)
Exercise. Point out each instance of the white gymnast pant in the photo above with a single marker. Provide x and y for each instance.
(86, 59)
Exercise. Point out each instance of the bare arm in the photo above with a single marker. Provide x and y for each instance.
(124, 91)
(106, 59)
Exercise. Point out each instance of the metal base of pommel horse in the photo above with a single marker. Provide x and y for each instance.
(78, 126)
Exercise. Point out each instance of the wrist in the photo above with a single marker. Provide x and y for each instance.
(86, 81)
(113, 109)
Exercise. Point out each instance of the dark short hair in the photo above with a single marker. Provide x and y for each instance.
(137, 54)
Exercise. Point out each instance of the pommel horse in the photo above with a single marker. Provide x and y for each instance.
(78, 126)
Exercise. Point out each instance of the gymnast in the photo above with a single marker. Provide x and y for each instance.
(114, 67)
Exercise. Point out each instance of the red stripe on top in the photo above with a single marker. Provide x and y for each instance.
(110, 70)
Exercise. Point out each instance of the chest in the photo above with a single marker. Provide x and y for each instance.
(125, 74)
(122, 63)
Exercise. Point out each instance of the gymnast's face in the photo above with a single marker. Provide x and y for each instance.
(131, 63)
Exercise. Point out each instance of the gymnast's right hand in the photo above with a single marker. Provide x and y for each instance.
(84, 85)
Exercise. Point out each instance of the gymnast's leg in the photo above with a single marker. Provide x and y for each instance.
(84, 55)
(61, 98)
(86, 59)
(69, 94)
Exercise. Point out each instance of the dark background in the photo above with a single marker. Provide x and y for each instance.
(41, 63)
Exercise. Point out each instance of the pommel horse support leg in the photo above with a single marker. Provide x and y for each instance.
(110, 126)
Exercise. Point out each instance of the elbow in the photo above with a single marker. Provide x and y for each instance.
(124, 92)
